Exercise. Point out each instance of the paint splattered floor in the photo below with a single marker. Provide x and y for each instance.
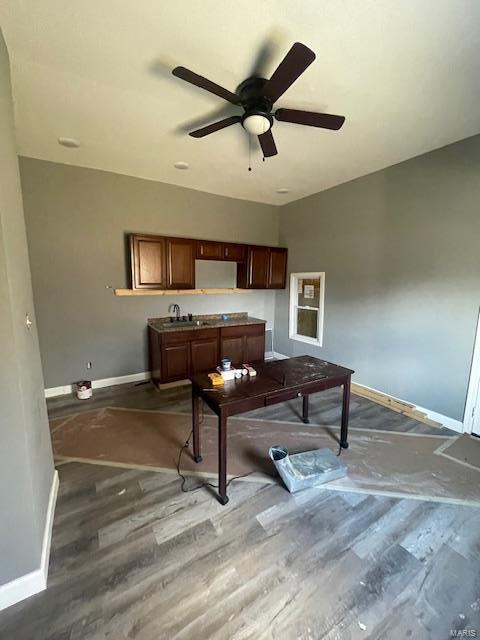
(133, 557)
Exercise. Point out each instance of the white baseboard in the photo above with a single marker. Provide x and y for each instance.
(449, 423)
(35, 581)
(98, 384)
(110, 382)
(58, 391)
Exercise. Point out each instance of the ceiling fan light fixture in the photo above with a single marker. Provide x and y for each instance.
(256, 124)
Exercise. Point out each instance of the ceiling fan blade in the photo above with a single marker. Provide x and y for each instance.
(291, 67)
(268, 144)
(310, 118)
(216, 126)
(203, 83)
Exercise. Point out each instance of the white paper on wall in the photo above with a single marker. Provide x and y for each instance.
(309, 291)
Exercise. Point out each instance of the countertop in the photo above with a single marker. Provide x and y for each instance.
(212, 321)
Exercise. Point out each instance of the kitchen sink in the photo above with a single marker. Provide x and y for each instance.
(185, 323)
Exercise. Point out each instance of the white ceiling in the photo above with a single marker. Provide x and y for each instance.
(405, 73)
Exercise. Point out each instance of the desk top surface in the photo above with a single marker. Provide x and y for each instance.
(272, 377)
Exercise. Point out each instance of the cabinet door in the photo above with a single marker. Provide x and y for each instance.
(180, 263)
(233, 347)
(255, 348)
(257, 267)
(277, 268)
(204, 355)
(147, 254)
(208, 250)
(176, 362)
(234, 252)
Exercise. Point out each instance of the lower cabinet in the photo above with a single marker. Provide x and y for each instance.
(204, 355)
(176, 355)
(254, 348)
(232, 347)
(176, 361)
(243, 344)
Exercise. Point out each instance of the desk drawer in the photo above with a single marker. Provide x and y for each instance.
(282, 396)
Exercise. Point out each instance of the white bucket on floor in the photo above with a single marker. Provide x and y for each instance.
(84, 389)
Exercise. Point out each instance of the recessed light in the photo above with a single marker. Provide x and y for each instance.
(71, 143)
(181, 165)
(282, 190)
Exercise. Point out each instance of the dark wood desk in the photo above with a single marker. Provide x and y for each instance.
(275, 382)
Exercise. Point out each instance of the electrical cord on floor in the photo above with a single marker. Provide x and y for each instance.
(203, 484)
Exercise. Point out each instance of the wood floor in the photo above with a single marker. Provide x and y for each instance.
(133, 557)
(325, 407)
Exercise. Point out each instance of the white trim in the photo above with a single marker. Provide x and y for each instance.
(299, 338)
(36, 580)
(473, 384)
(98, 384)
(58, 391)
(450, 423)
(293, 298)
(446, 421)
(279, 356)
(133, 377)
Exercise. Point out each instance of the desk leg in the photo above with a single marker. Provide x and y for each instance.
(222, 459)
(196, 425)
(305, 418)
(345, 411)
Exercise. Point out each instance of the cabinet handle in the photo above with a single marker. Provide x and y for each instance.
(226, 251)
(201, 249)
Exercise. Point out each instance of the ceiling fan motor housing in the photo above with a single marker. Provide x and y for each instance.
(253, 101)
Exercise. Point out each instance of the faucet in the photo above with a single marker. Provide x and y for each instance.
(176, 308)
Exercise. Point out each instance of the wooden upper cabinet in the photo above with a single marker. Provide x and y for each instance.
(265, 268)
(228, 251)
(277, 268)
(180, 263)
(234, 252)
(148, 262)
(158, 262)
(255, 273)
(209, 250)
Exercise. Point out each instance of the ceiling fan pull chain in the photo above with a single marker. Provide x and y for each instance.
(249, 153)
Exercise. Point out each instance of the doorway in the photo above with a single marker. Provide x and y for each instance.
(471, 419)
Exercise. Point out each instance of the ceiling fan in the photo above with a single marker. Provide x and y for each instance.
(257, 96)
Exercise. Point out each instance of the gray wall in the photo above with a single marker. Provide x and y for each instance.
(400, 249)
(76, 221)
(26, 466)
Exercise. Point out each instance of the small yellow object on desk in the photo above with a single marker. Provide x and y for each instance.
(215, 378)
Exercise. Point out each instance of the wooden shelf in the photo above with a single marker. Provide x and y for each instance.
(178, 292)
